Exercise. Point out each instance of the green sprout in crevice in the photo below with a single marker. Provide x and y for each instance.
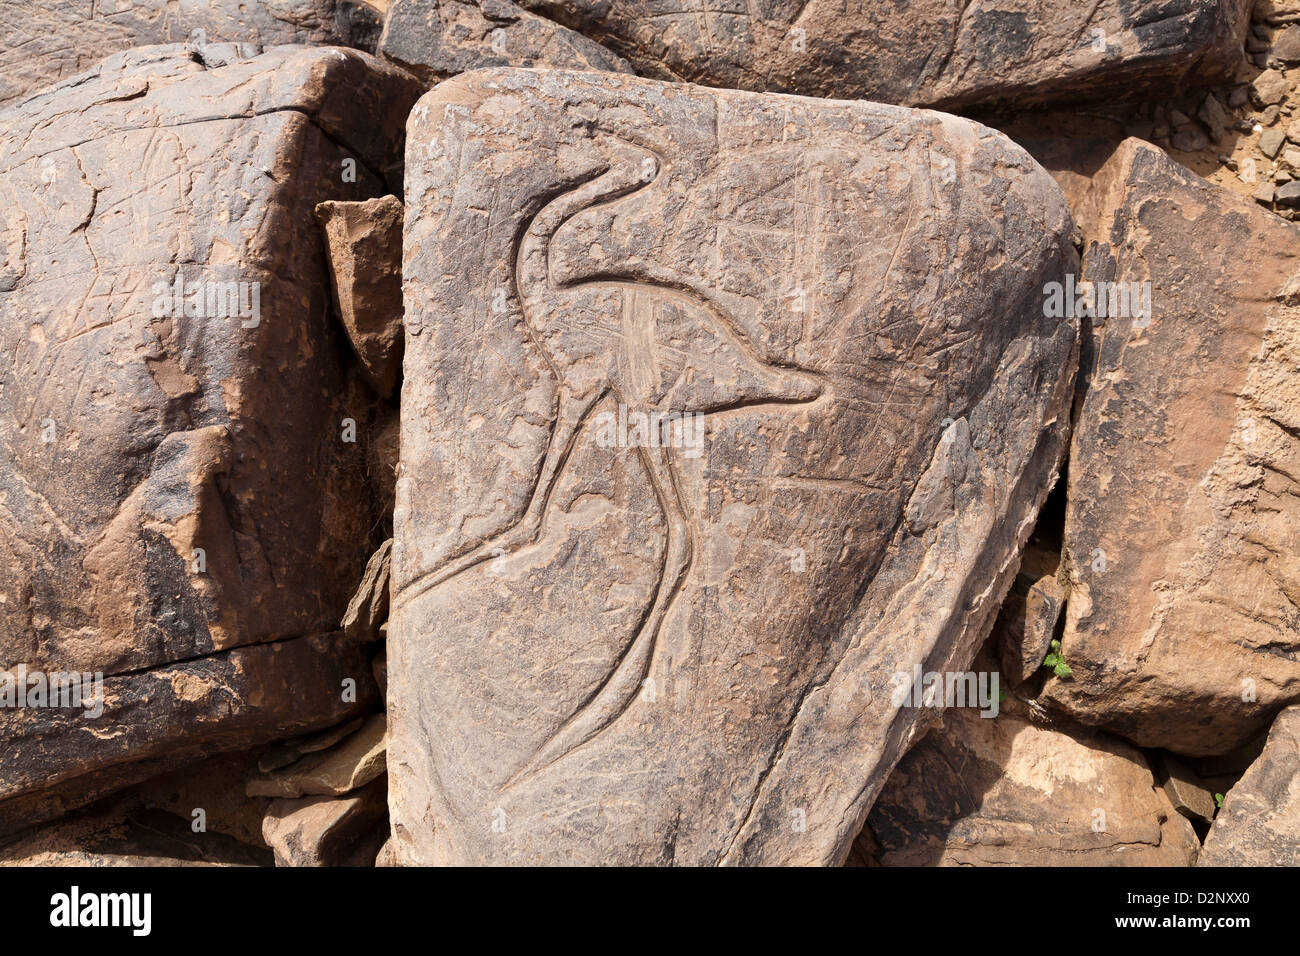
(1056, 661)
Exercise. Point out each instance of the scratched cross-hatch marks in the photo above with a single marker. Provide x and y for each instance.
(634, 651)
(152, 447)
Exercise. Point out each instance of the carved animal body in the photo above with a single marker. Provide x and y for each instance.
(614, 342)
(636, 655)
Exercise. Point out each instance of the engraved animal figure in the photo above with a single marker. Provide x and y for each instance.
(651, 348)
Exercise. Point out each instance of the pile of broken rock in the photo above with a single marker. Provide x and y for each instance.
(721, 475)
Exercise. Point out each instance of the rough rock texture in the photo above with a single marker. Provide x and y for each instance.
(364, 245)
(285, 752)
(383, 451)
(436, 39)
(1004, 791)
(175, 481)
(215, 786)
(1190, 794)
(122, 832)
(47, 41)
(166, 716)
(351, 764)
(368, 609)
(329, 831)
(1259, 822)
(1027, 621)
(1183, 622)
(923, 52)
(606, 650)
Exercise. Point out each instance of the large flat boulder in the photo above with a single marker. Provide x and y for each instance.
(1183, 619)
(621, 639)
(156, 720)
(435, 39)
(171, 377)
(923, 52)
(48, 41)
(1259, 822)
(1006, 791)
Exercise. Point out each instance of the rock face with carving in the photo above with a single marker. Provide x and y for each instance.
(435, 39)
(720, 409)
(1181, 625)
(54, 39)
(923, 52)
(170, 375)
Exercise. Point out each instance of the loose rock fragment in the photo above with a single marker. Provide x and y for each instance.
(436, 39)
(368, 608)
(46, 42)
(363, 241)
(1004, 791)
(329, 831)
(348, 766)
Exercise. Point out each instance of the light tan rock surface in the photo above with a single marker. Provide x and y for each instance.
(607, 650)
(1259, 822)
(1004, 791)
(47, 41)
(922, 52)
(347, 766)
(1182, 526)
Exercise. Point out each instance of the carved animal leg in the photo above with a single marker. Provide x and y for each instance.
(527, 530)
(620, 689)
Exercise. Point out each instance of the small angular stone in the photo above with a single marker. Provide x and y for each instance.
(1269, 88)
(1270, 142)
(1287, 45)
(1186, 791)
(348, 766)
(363, 241)
(329, 831)
(368, 608)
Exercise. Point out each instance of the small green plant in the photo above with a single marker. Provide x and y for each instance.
(1056, 661)
(1218, 800)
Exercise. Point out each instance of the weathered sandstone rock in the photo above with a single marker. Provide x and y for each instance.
(379, 667)
(44, 42)
(176, 479)
(1004, 791)
(1028, 618)
(364, 245)
(617, 642)
(924, 52)
(1182, 529)
(1189, 793)
(285, 752)
(216, 787)
(435, 39)
(329, 831)
(124, 833)
(167, 716)
(368, 609)
(351, 764)
(383, 454)
(1259, 822)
